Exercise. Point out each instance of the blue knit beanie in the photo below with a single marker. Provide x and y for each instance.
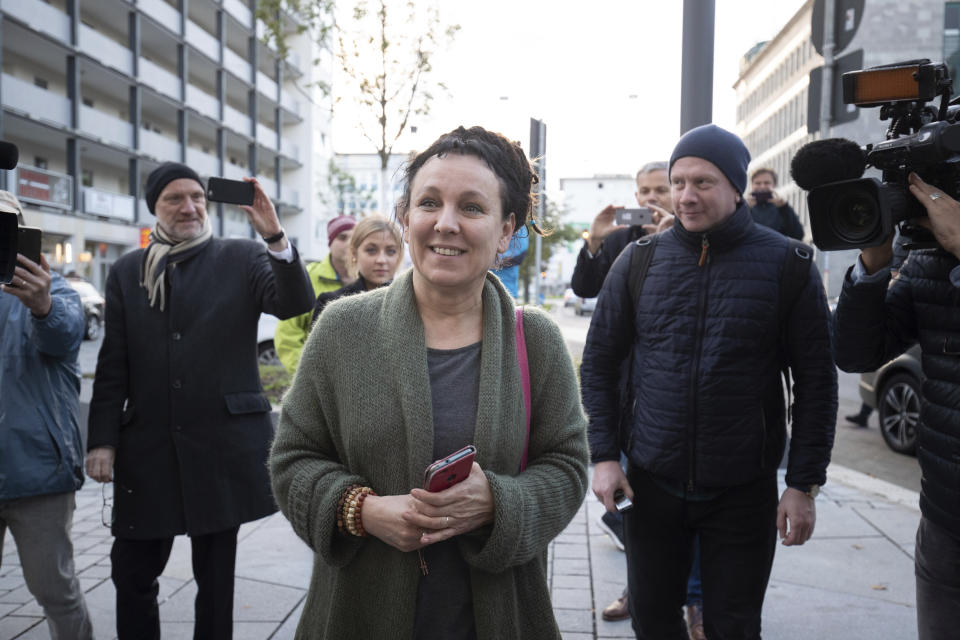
(719, 146)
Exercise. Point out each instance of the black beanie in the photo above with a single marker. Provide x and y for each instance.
(719, 146)
(164, 175)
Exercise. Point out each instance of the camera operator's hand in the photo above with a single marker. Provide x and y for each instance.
(943, 212)
(603, 225)
(876, 258)
(751, 201)
(662, 220)
(777, 200)
(263, 216)
(31, 285)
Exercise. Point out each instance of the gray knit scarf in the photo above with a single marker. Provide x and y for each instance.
(162, 251)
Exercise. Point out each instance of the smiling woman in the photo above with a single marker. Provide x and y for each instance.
(433, 367)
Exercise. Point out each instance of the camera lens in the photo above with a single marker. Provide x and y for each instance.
(855, 216)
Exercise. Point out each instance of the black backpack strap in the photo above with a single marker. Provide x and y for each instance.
(640, 260)
(793, 280)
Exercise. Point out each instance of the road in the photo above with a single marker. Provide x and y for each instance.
(856, 448)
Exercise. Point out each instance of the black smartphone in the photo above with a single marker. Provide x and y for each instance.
(28, 243)
(230, 191)
(634, 217)
(762, 196)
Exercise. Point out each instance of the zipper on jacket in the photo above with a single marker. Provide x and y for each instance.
(695, 369)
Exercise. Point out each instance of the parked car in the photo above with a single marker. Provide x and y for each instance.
(583, 306)
(266, 352)
(894, 391)
(93, 304)
(569, 297)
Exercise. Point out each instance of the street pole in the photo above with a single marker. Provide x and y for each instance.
(826, 104)
(696, 80)
(538, 150)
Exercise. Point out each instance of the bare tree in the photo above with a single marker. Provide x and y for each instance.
(384, 50)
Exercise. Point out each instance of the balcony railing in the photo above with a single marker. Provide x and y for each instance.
(163, 13)
(236, 65)
(234, 172)
(105, 49)
(203, 102)
(36, 102)
(239, 11)
(266, 136)
(203, 163)
(159, 146)
(236, 120)
(202, 40)
(44, 187)
(41, 16)
(289, 195)
(270, 186)
(105, 203)
(106, 127)
(288, 102)
(266, 85)
(153, 75)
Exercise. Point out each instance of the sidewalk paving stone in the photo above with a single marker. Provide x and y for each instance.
(854, 579)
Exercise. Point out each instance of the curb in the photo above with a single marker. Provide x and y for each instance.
(870, 484)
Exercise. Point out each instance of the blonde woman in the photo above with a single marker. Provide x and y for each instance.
(376, 250)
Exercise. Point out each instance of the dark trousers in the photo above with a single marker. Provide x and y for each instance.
(136, 565)
(737, 535)
(937, 564)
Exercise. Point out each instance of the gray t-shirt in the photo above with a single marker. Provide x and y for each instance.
(444, 597)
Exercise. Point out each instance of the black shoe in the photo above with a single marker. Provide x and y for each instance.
(858, 419)
(612, 525)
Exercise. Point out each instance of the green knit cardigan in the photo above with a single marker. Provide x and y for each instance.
(359, 412)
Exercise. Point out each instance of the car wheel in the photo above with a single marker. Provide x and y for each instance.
(93, 328)
(267, 354)
(899, 410)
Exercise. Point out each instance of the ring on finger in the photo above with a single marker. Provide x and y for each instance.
(935, 195)
(446, 521)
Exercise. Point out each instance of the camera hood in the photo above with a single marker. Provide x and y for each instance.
(8, 246)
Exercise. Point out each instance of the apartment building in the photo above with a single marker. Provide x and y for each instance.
(774, 82)
(360, 195)
(97, 93)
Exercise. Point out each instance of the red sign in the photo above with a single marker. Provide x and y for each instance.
(144, 237)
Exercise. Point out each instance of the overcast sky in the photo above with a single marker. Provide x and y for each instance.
(603, 75)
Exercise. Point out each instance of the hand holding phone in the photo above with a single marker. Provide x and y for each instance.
(230, 191)
(446, 472)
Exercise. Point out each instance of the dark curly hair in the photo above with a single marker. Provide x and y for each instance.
(514, 171)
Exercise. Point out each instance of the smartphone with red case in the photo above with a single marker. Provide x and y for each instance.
(446, 472)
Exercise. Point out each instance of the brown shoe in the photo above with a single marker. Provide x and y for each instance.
(695, 622)
(617, 610)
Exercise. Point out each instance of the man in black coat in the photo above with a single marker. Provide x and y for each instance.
(877, 319)
(768, 208)
(606, 239)
(709, 332)
(178, 418)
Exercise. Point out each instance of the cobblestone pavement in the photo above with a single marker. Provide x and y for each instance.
(854, 579)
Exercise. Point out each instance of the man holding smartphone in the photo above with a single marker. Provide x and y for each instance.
(178, 418)
(41, 455)
(768, 208)
(606, 238)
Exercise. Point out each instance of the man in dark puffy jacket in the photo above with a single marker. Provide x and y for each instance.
(707, 429)
(41, 457)
(876, 320)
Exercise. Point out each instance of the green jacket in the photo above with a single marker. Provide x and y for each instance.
(291, 334)
(359, 411)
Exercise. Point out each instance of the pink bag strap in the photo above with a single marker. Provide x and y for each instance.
(525, 380)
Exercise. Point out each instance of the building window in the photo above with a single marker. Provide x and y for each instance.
(87, 102)
(39, 163)
(40, 82)
(951, 40)
(86, 178)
